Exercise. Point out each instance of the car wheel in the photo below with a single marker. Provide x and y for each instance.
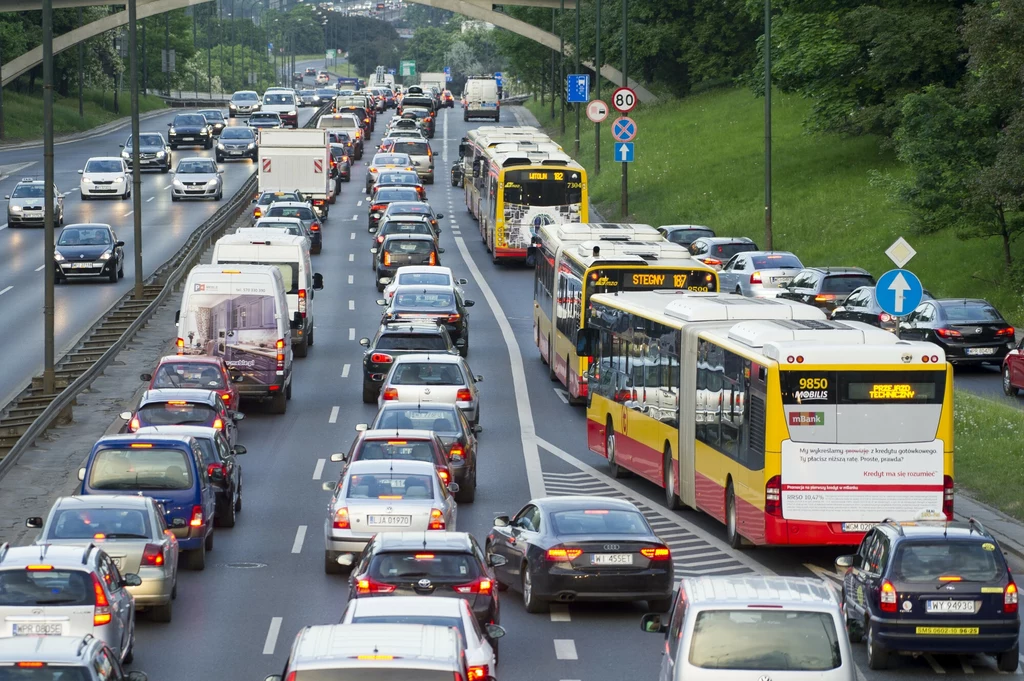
(166, 168)
(208, 542)
(238, 498)
(531, 601)
(310, 336)
(672, 500)
(732, 533)
(161, 613)
(854, 631)
(878, 655)
(614, 468)
(467, 493)
(227, 516)
(279, 403)
(369, 394)
(196, 559)
(112, 277)
(1008, 387)
(220, 159)
(331, 565)
(1008, 661)
(174, 146)
(120, 270)
(61, 221)
(173, 197)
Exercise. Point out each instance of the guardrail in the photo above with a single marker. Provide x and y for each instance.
(167, 276)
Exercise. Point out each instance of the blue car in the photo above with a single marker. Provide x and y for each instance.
(167, 468)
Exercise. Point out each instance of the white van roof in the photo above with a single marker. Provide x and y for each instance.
(340, 645)
(260, 237)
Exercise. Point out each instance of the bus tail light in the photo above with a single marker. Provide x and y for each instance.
(773, 496)
(302, 302)
(947, 496)
(463, 395)
(887, 597)
(755, 278)
(1010, 598)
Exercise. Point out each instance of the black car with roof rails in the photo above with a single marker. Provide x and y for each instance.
(341, 165)
(969, 330)
(423, 115)
(190, 129)
(862, 306)
(215, 119)
(932, 586)
(400, 224)
(398, 250)
(397, 208)
(444, 303)
(399, 338)
(825, 287)
(366, 121)
(399, 178)
(435, 564)
(379, 203)
(717, 250)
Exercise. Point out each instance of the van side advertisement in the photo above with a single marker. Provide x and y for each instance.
(241, 328)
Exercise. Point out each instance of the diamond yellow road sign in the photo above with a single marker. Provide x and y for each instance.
(900, 252)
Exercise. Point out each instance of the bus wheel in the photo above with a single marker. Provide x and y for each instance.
(732, 533)
(609, 449)
(671, 498)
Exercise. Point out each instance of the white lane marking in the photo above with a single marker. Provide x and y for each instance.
(351, 304)
(40, 268)
(300, 536)
(3, 226)
(351, 278)
(345, 369)
(9, 288)
(562, 395)
(565, 649)
(968, 669)
(333, 418)
(444, 142)
(531, 455)
(559, 612)
(359, 204)
(351, 257)
(150, 199)
(936, 667)
(129, 213)
(353, 236)
(272, 632)
(318, 470)
(167, 186)
(351, 334)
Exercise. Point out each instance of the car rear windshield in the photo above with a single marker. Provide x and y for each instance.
(397, 194)
(428, 620)
(846, 283)
(111, 523)
(424, 279)
(405, 177)
(410, 207)
(409, 247)
(21, 587)
(300, 212)
(929, 561)
(388, 159)
(971, 312)
(188, 375)
(395, 227)
(439, 421)
(391, 486)
(425, 563)
(212, 115)
(439, 301)
(599, 521)
(413, 341)
(765, 640)
(686, 236)
(776, 261)
(176, 413)
(409, 450)
(428, 373)
(117, 469)
(726, 251)
(411, 148)
(270, 197)
(49, 672)
(425, 102)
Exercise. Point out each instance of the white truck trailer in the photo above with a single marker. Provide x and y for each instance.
(297, 160)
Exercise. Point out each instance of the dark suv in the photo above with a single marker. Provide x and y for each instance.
(826, 287)
(931, 587)
(438, 564)
(442, 304)
(399, 250)
(398, 338)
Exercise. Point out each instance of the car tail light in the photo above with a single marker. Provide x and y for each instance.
(389, 394)
(948, 333)
(885, 317)
(280, 354)
(197, 517)
(755, 278)
(153, 555)
(1008, 331)
(947, 496)
(31, 665)
(463, 395)
(369, 586)
(436, 520)
(302, 302)
(824, 298)
(625, 395)
(315, 227)
(341, 519)
(443, 474)
(366, 120)
(215, 468)
(715, 262)
(887, 597)
(456, 452)
(381, 358)
(453, 318)
(101, 609)
(373, 170)
(218, 423)
(656, 553)
(257, 213)
(433, 258)
(377, 207)
(480, 586)
(562, 554)
(387, 258)
(773, 496)
(226, 399)
(180, 344)
(478, 672)
(134, 424)
(380, 239)
(1010, 598)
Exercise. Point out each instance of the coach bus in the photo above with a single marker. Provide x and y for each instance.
(786, 427)
(575, 261)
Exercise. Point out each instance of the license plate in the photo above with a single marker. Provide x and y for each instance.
(969, 607)
(38, 629)
(389, 520)
(118, 561)
(857, 527)
(187, 139)
(981, 351)
(235, 153)
(611, 559)
(948, 631)
(781, 280)
(80, 265)
(33, 215)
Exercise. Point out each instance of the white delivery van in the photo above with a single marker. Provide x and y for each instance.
(482, 99)
(240, 313)
(290, 254)
(297, 160)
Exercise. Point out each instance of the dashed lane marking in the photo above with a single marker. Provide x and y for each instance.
(351, 278)
(150, 199)
(345, 370)
(351, 257)
(565, 649)
(351, 334)
(333, 418)
(6, 290)
(351, 304)
(272, 633)
(318, 470)
(559, 612)
(300, 536)
(360, 203)
(40, 268)
(129, 213)
(353, 236)
(3, 226)
(562, 395)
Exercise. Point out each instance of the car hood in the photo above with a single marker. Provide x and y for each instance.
(27, 201)
(187, 129)
(102, 177)
(195, 177)
(146, 149)
(83, 252)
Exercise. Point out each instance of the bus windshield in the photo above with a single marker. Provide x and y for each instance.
(543, 187)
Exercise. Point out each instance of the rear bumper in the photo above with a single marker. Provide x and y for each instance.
(510, 253)
(994, 636)
(958, 354)
(568, 584)
(344, 541)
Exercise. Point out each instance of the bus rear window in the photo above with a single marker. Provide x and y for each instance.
(543, 187)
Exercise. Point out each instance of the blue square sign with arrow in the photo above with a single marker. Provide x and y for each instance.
(624, 152)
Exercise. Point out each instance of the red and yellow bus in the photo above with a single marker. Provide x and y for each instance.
(786, 427)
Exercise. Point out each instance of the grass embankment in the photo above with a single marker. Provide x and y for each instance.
(23, 113)
(700, 160)
(988, 437)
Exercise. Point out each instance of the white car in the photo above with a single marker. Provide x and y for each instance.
(105, 176)
(323, 78)
(277, 226)
(445, 612)
(285, 104)
(425, 379)
(424, 275)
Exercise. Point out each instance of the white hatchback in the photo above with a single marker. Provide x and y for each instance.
(424, 275)
(105, 176)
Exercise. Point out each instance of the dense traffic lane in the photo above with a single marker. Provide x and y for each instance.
(166, 226)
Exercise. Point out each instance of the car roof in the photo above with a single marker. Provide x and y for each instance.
(828, 271)
(61, 556)
(575, 502)
(432, 357)
(104, 501)
(799, 592)
(937, 529)
(673, 228)
(424, 269)
(127, 439)
(52, 649)
(191, 359)
(106, 158)
(198, 432)
(754, 254)
(396, 541)
(719, 240)
(88, 225)
(289, 204)
(168, 394)
(963, 301)
(392, 433)
(277, 218)
(30, 181)
(373, 466)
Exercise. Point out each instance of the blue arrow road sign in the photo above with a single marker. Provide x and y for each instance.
(577, 88)
(624, 152)
(623, 129)
(898, 292)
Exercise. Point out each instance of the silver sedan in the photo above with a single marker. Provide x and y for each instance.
(197, 177)
(383, 496)
(424, 379)
(758, 274)
(131, 530)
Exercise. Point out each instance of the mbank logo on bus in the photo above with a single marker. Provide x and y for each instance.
(806, 418)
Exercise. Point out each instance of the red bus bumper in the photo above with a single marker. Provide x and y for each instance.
(510, 253)
(808, 533)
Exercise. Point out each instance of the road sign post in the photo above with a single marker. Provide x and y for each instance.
(898, 292)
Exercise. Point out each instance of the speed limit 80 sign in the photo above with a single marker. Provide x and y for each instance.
(623, 100)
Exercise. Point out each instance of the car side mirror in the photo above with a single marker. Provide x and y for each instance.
(318, 281)
(365, 342)
(239, 450)
(125, 416)
(137, 676)
(381, 301)
(453, 487)
(362, 427)
(653, 624)
(847, 561)
(496, 560)
(339, 457)
(79, 172)
(146, 377)
(237, 378)
(440, 216)
(35, 522)
(440, 250)
(237, 416)
(273, 677)
(178, 522)
(170, 124)
(477, 429)
(461, 282)
(478, 378)
(81, 474)
(119, 243)
(131, 579)
(501, 521)
(385, 280)
(495, 631)
(329, 486)
(373, 250)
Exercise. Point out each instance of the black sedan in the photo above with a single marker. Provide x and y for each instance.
(970, 330)
(399, 250)
(399, 208)
(449, 423)
(237, 142)
(862, 306)
(191, 130)
(215, 119)
(153, 152)
(88, 250)
(443, 304)
(572, 548)
(381, 200)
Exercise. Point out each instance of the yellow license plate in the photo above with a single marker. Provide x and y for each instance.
(949, 631)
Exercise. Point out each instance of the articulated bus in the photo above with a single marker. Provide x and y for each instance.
(570, 268)
(786, 427)
(476, 144)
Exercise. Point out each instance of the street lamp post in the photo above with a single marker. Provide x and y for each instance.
(768, 124)
(49, 272)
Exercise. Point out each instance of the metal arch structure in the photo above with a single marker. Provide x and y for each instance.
(34, 57)
(483, 11)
